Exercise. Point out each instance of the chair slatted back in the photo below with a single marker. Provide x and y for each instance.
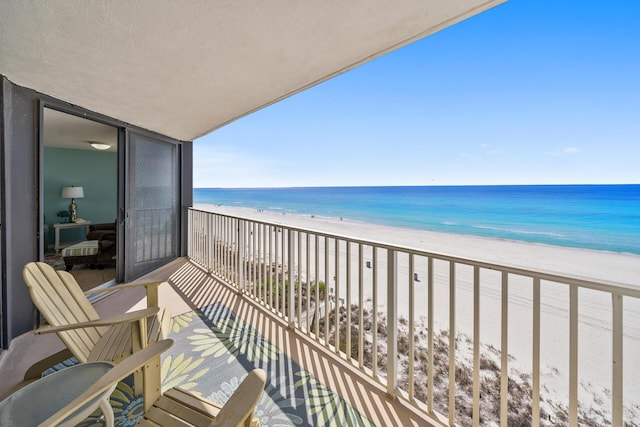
(61, 301)
(238, 411)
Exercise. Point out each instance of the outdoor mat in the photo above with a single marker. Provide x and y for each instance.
(214, 350)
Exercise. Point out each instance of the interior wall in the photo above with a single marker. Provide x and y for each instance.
(95, 171)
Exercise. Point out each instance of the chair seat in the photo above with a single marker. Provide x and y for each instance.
(177, 404)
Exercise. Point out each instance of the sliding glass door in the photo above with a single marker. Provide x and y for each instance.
(152, 204)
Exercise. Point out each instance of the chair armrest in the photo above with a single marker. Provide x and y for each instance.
(121, 318)
(111, 236)
(102, 226)
(107, 242)
(151, 287)
(123, 369)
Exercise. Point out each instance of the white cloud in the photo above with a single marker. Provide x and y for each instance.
(487, 150)
(570, 150)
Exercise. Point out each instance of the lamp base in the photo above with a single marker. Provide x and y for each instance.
(73, 211)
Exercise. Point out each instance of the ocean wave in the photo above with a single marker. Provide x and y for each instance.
(511, 230)
(603, 217)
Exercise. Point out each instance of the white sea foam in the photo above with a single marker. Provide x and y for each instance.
(511, 230)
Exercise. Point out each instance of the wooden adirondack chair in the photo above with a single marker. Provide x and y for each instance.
(176, 407)
(69, 313)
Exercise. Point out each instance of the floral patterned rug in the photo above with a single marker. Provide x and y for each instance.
(213, 352)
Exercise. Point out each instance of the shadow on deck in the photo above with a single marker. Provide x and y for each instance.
(188, 290)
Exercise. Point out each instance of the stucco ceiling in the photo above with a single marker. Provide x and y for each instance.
(184, 69)
(63, 130)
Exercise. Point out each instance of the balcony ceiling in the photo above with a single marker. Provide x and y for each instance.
(183, 69)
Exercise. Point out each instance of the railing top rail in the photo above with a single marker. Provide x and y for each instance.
(583, 282)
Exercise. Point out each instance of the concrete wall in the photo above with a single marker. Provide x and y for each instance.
(186, 177)
(20, 207)
(3, 323)
(19, 197)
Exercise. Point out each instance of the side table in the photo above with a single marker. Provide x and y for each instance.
(66, 226)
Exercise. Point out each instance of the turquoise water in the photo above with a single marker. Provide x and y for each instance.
(602, 217)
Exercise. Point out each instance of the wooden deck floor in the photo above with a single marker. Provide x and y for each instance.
(187, 288)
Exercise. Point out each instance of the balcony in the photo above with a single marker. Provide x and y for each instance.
(423, 338)
(457, 340)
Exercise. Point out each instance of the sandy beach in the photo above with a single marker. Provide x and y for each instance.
(594, 307)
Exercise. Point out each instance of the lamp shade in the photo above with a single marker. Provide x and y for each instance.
(72, 192)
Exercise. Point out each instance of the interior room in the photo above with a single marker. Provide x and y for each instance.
(80, 172)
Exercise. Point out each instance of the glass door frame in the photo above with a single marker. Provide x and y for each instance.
(129, 270)
(123, 144)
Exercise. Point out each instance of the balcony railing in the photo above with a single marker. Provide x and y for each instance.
(412, 319)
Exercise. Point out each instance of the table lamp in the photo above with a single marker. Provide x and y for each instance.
(73, 193)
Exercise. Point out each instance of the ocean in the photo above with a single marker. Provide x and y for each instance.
(601, 217)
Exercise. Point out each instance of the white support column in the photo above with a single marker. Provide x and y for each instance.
(535, 380)
(504, 352)
(573, 356)
(452, 343)
(374, 285)
(617, 412)
(430, 318)
(476, 347)
(291, 294)
(392, 322)
(412, 285)
(210, 243)
(240, 250)
(336, 295)
(190, 215)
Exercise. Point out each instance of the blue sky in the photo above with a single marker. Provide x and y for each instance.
(530, 92)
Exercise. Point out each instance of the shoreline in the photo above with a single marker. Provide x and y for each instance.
(608, 266)
(595, 217)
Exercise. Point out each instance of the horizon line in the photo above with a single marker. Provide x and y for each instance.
(414, 185)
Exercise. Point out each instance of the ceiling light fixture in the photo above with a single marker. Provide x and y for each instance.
(100, 145)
